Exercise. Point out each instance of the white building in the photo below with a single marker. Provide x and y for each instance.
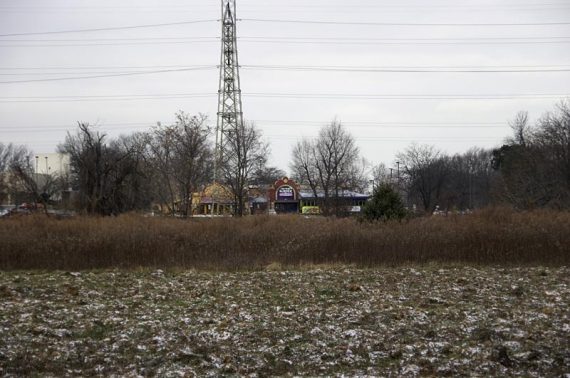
(51, 163)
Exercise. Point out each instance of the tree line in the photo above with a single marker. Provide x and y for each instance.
(530, 170)
(163, 166)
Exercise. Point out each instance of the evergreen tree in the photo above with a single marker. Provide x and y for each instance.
(385, 205)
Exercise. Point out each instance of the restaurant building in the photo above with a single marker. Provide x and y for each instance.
(283, 197)
(286, 197)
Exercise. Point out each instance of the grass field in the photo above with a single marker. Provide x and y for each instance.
(423, 320)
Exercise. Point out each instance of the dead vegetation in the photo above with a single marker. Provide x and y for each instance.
(494, 236)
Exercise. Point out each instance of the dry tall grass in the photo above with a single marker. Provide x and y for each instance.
(492, 236)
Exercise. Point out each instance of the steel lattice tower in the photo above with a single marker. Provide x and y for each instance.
(230, 116)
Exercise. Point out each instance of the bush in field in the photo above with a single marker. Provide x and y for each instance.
(385, 205)
(491, 236)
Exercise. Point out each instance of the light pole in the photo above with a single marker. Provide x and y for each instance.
(398, 175)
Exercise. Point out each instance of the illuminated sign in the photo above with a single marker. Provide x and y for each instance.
(285, 193)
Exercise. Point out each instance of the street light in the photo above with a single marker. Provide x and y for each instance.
(398, 175)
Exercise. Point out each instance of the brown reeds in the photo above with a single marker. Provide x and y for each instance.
(492, 236)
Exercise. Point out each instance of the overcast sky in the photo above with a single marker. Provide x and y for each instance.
(384, 108)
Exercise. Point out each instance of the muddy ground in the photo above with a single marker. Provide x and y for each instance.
(329, 321)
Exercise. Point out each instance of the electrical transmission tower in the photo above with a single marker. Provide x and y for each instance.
(230, 116)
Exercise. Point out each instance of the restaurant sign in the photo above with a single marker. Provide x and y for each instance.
(285, 193)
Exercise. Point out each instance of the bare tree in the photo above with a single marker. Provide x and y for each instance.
(6, 158)
(358, 176)
(264, 175)
(18, 177)
(195, 157)
(553, 137)
(336, 153)
(181, 155)
(469, 181)
(303, 165)
(244, 153)
(100, 170)
(329, 164)
(161, 162)
(381, 175)
(132, 186)
(521, 129)
(12, 159)
(426, 170)
(535, 170)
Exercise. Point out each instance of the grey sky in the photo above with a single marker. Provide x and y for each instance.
(38, 113)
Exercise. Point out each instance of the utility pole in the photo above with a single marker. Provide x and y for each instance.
(398, 177)
(230, 116)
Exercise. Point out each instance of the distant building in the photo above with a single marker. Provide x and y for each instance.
(51, 163)
(285, 196)
(215, 199)
(46, 167)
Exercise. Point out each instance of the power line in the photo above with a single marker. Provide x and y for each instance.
(366, 69)
(79, 73)
(319, 41)
(339, 96)
(295, 137)
(282, 38)
(359, 139)
(388, 123)
(304, 5)
(110, 28)
(357, 43)
(113, 44)
(294, 123)
(294, 68)
(125, 39)
(108, 75)
(361, 23)
(401, 39)
(391, 70)
(102, 67)
(313, 96)
(402, 67)
(289, 4)
(397, 138)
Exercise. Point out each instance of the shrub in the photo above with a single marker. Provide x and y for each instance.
(385, 205)
(491, 236)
